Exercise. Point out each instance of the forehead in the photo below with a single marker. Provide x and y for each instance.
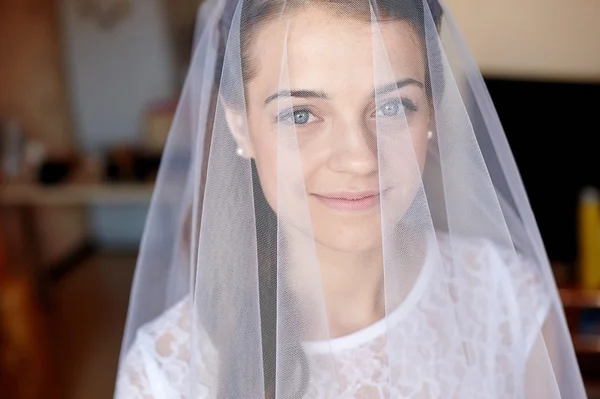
(317, 49)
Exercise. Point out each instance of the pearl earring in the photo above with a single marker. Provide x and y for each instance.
(240, 152)
(429, 135)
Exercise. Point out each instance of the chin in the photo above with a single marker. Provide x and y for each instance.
(347, 237)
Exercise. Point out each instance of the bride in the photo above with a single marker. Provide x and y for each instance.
(338, 215)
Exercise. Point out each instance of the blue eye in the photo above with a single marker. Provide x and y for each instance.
(394, 107)
(391, 108)
(299, 117)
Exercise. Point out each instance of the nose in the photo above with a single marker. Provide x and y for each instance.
(354, 150)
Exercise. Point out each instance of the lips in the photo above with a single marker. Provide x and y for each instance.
(350, 201)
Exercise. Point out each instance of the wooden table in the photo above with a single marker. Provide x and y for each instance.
(575, 300)
(21, 198)
(20, 194)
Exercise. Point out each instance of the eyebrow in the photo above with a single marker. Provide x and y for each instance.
(298, 94)
(390, 87)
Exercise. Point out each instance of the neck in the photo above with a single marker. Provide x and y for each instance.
(349, 283)
(352, 285)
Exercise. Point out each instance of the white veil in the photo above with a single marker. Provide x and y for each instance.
(326, 147)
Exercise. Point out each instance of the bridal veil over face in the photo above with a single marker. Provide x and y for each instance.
(335, 159)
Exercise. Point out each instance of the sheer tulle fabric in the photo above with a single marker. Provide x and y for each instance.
(231, 290)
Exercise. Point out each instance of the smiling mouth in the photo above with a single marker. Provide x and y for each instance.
(350, 202)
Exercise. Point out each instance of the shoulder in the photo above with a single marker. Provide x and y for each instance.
(510, 282)
(159, 360)
(480, 255)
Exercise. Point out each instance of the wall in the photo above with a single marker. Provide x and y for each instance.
(31, 71)
(182, 17)
(113, 75)
(546, 39)
(33, 91)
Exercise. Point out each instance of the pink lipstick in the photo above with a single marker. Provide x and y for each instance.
(350, 201)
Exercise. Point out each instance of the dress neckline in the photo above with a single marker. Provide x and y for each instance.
(380, 327)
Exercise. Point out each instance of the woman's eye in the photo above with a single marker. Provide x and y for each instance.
(301, 117)
(298, 117)
(391, 108)
(395, 107)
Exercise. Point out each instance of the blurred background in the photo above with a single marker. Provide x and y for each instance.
(87, 94)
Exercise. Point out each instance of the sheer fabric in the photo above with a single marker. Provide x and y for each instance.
(158, 364)
(338, 215)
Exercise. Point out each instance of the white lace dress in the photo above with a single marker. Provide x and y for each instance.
(492, 287)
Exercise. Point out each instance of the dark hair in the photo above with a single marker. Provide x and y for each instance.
(253, 14)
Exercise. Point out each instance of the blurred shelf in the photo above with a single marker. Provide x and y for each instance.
(593, 389)
(586, 344)
(75, 193)
(578, 298)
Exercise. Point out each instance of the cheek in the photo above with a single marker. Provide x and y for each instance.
(279, 166)
(420, 142)
(401, 149)
(264, 151)
(402, 160)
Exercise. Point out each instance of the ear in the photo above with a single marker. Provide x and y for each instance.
(237, 123)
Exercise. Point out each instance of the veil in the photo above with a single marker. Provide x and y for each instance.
(338, 214)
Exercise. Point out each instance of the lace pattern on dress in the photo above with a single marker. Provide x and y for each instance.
(466, 335)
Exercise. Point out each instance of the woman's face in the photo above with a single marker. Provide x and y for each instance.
(330, 126)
